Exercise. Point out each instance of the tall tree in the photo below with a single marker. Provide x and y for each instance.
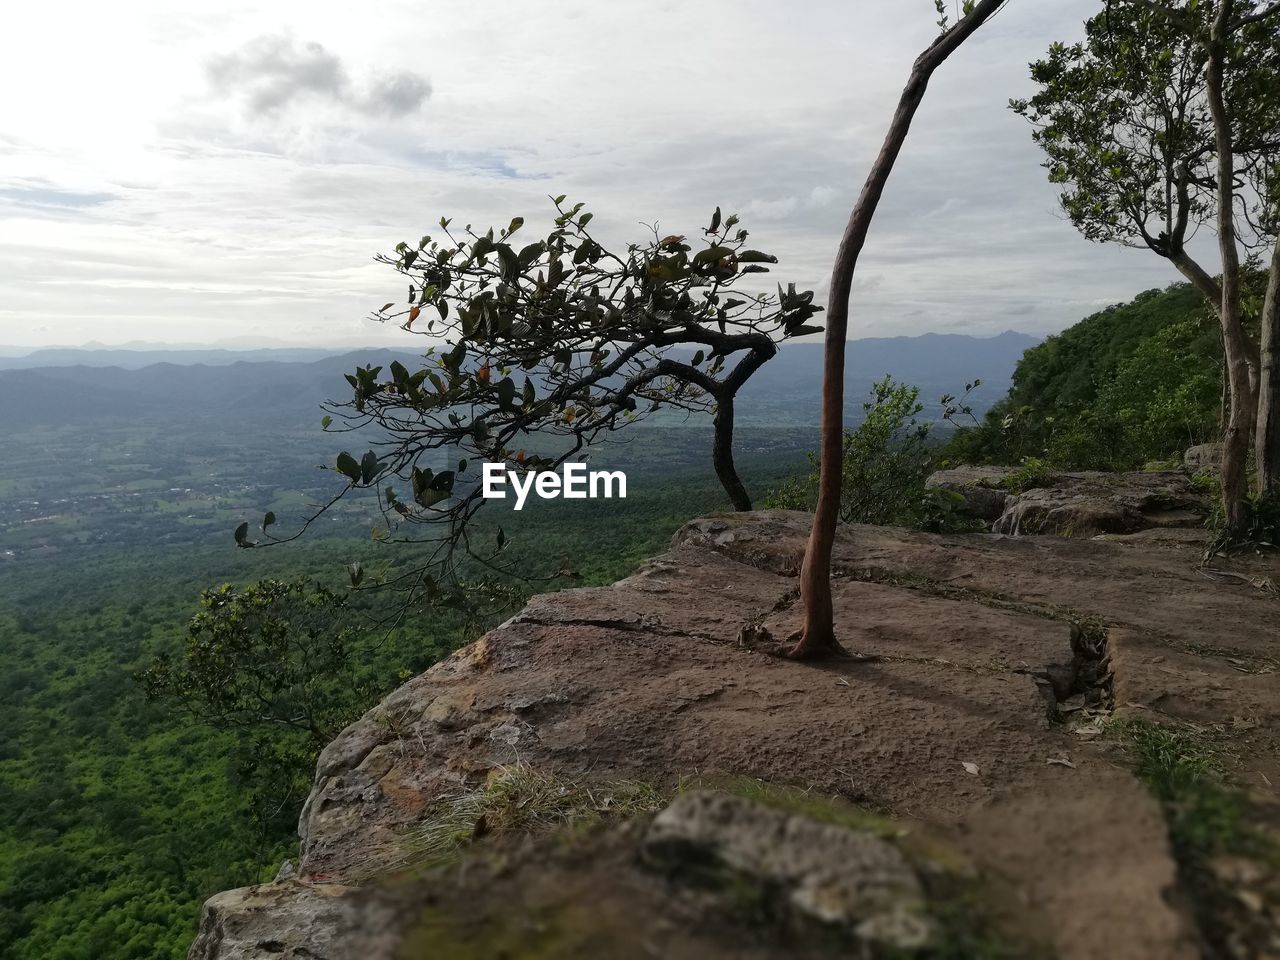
(1162, 121)
(817, 636)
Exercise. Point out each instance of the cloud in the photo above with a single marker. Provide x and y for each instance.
(274, 72)
(252, 188)
(397, 94)
(40, 194)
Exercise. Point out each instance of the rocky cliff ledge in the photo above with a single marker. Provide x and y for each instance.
(974, 715)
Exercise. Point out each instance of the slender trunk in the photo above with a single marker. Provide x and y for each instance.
(1236, 348)
(1267, 441)
(722, 455)
(817, 637)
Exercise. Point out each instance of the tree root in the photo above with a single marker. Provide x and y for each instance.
(757, 638)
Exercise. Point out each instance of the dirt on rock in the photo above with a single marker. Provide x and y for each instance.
(984, 664)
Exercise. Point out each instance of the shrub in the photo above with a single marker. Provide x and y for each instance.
(887, 459)
(1032, 472)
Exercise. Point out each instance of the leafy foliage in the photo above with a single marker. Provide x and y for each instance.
(1134, 383)
(117, 819)
(551, 347)
(1126, 128)
(886, 460)
(1031, 473)
(274, 654)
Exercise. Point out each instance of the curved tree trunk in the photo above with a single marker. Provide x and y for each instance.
(1267, 441)
(722, 455)
(817, 637)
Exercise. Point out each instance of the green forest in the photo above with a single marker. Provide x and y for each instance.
(119, 816)
(992, 655)
(1136, 383)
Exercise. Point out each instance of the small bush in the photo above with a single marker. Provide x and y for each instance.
(887, 459)
(1032, 472)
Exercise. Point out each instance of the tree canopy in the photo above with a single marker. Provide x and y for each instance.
(550, 348)
(1166, 119)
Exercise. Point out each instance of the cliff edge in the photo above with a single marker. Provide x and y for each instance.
(977, 713)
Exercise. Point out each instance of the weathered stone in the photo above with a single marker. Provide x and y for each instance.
(1202, 455)
(1050, 511)
(960, 636)
(289, 920)
(849, 878)
(980, 487)
(598, 895)
(1090, 503)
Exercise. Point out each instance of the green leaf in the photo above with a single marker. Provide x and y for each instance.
(755, 256)
(530, 253)
(502, 539)
(242, 535)
(510, 262)
(713, 254)
(698, 357)
(506, 393)
(369, 467)
(715, 220)
(348, 467)
(516, 224)
(268, 520)
(356, 572)
(326, 421)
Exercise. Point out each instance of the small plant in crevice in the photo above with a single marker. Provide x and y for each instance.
(1032, 472)
(1185, 774)
(1210, 822)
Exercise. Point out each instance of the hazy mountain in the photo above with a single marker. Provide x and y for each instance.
(790, 385)
(286, 386)
(130, 358)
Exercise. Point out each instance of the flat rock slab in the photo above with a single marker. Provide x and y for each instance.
(1079, 505)
(948, 718)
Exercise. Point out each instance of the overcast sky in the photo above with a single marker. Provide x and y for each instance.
(226, 176)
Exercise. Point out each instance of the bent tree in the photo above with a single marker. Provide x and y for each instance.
(1163, 120)
(817, 635)
(550, 348)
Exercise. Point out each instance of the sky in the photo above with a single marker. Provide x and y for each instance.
(224, 174)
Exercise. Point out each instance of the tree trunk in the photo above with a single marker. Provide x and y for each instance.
(1267, 441)
(817, 637)
(1235, 343)
(722, 455)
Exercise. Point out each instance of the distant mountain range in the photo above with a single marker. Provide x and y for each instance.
(129, 358)
(286, 385)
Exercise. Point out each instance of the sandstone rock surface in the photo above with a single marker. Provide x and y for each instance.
(958, 714)
(1081, 504)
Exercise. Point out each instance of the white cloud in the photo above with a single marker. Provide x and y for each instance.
(230, 173)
